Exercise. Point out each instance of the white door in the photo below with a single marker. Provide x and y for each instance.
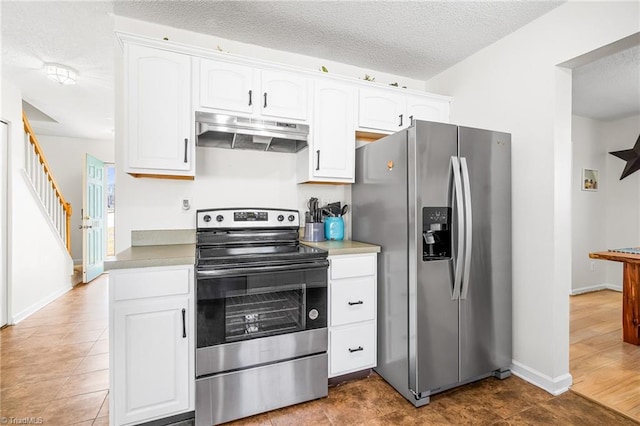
(284, 95)
(227, 86)
(159, 122)
(4, 299)
(151, 359)
(381, 110)
(93, 219)
(333, 141)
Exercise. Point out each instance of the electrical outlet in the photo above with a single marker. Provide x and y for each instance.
(185, 203)
(593, 266)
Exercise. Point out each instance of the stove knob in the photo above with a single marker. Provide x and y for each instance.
(291, 218)
(280, 218)
(219, 218)
(206, 218)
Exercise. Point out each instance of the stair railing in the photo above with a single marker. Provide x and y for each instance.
(39, 171)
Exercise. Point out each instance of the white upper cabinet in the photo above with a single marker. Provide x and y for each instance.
(226, 86)
(159, 126)
(387, 110)
(234, 88)
(428, 109)
(284, 95)
(331, 153)
(381, 110)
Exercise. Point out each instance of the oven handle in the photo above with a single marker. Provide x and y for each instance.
(237, 271)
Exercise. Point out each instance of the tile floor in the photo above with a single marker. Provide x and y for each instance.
(54, 365)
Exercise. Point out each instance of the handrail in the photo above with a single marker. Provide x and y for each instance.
(47, 169)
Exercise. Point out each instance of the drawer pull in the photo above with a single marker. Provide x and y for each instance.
(358, 349)
(359, 302)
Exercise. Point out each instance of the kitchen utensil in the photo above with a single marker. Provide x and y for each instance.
(344, 210)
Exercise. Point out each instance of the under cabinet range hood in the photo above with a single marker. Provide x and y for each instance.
(232, 132)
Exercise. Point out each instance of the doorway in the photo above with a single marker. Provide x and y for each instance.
(604, 216)
(110, 173)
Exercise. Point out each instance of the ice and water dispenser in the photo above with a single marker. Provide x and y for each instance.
(436, 233)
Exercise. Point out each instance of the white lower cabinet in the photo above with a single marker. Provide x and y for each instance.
(151, 343)
(352, 313)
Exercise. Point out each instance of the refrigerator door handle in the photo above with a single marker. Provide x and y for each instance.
(457, 192)
(468, 220)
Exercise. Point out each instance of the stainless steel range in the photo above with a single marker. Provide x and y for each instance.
(261, 314)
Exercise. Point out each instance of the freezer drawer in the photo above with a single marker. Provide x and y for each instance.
(352, 348)
(352, 300)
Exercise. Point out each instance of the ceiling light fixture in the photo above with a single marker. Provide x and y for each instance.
(61, 74)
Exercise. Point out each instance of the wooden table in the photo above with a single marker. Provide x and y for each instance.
(630, 292)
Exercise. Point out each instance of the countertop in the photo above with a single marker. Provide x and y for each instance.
(616, 257)
(343, 247)
(152, 255)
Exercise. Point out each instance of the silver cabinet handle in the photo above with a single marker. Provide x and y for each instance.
(318, 160)
(400, 116)
(186, 147)
(457, 193)
(184, 323)
(265, 99)
(358, 349)
(250, 101)
(359, 302)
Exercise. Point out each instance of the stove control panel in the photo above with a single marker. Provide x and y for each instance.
(247, 218)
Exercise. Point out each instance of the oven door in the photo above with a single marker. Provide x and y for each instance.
(253, 315)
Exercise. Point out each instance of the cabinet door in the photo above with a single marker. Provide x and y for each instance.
(422, 108)
(352, 348)
(284, 95)
(381, 110)
(227, 87)
(159, 124)
(151, 359)
(333, 138)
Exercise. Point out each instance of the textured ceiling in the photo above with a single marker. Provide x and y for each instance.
(408, 38)
(76, 34)
(416, 39)
(608, 88)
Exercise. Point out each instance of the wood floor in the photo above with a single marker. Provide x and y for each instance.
(604, 368)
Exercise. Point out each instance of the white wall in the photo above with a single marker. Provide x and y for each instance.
(609, 218)
(224, 178)
(588, 224)
(4, 139)
(515, 86)
(66, 158)
(39, 266)
(623, 196)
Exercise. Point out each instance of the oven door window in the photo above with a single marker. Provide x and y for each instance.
(231, 309)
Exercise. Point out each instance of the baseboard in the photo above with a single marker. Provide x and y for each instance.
(38, 305)
(555, 386)
(598, 287)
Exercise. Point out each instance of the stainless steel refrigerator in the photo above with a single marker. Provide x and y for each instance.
(437, 198)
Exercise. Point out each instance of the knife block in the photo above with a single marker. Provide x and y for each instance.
(314, 231)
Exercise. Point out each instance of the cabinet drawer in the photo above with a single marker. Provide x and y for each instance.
(352, 266)
(352, 349)
(352, 300)
(148, 282)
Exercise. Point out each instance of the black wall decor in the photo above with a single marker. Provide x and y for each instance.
(632, 157)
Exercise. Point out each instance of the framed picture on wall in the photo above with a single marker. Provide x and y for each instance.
(589, 180)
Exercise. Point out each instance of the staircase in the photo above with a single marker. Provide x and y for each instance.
(40, 244)
(39, 173)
